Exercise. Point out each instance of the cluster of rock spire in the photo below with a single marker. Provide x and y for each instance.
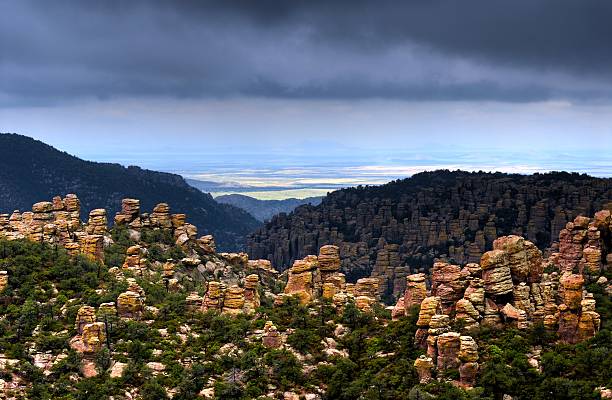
(509, 288)
(315, 277)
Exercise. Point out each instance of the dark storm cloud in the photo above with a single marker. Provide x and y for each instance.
(415, 50)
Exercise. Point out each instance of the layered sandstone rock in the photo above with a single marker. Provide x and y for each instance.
(233, 301)
(416, 291)
(514, 291)
(130, 304)
(429, 307)
(213, 300)
(399, 310)
(160, 217)
(91, 339)
(329, 258)
(303, 277)
(571, 290)
(185, 234)
(193, 302)
(585, 244)
(251, 293)
(85, 315)
(92, 246)
(263, 265)
(130, 212)
(496, 273)
(448, 283)
(448, 345)
(97, 223)
(4, 278)
(94, 336)
(468, 354)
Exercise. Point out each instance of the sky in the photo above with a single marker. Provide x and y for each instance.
(313, 94)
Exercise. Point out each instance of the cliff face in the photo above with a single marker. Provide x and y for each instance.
(401, 227)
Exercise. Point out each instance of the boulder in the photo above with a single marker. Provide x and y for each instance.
(448, 345)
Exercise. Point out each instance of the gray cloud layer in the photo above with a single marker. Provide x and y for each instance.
(518, 51)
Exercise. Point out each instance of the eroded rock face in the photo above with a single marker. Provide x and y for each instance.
(429, 307)
(251, 293)
(160, 217)
(571, 290)
(129, 214)
(213, 300)
(524, 258)
(303, 277)
(448, 283)
(193, 302)
(584, 244)
(207, 244)
(91, 339)
(98, 223)
(133, 259)
(58, 222)
(94, 336)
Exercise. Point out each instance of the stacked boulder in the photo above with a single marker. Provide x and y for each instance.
(251, 293)
(133, 260)
(97, 223)
(415, 293)
(91, 335)
(129, 214)
(160, 217)
(213, 300)
(271, 338)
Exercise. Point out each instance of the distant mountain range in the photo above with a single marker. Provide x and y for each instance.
(264, 210)
(32, 171)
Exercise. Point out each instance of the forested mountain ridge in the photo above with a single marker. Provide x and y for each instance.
(31, 170)
(263, 210)
(401, 227)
